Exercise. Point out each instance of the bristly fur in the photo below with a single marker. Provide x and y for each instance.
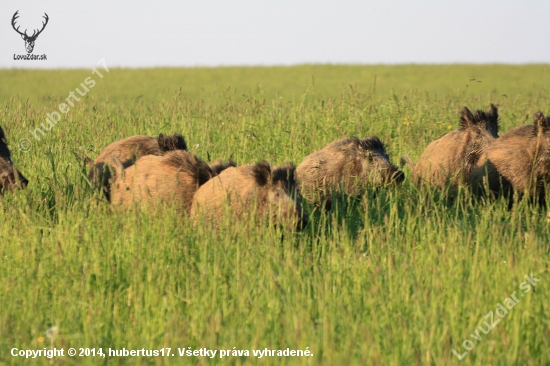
(480, 119)
(2, 135)
(171, 142)
(284, 174)
(262, 173)
(190, 164)
(218, 166)
(371, 143)
(541, 124)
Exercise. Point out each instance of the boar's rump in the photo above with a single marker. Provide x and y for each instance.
(127, 151)
(173, 177)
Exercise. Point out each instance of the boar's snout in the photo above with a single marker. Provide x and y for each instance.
(24, 182)
(381, 171)
(398, 177)
(295, 217)
(286, 209)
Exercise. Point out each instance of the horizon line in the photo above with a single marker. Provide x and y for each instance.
(288, 65)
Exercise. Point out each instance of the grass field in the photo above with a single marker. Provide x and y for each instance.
(395, 277)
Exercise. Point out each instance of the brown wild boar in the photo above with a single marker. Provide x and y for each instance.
(349, 163)
(127, 151)
(451, 158)
(268, 191)
(10, 177)
(173, 177)
(518, 161)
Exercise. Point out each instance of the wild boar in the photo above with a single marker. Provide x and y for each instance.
(451, 158)
(10, 177)
(127, 151)
(270, 192)
(518, 161)
(173, 177)
(349, 164)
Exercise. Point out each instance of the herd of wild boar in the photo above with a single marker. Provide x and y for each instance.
(148, 170)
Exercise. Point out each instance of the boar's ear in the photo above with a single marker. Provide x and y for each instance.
(493, 117)
(372, 143)
(83, 157)
(171, 142)
(117, 167)
(493, 112)
(467, 119)
(4, 150)
(218, 166)
(284, 174)
(542, 124)
(262, 173)
(89, 162)
(230, 163)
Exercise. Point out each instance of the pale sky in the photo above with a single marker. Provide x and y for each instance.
(277, 32)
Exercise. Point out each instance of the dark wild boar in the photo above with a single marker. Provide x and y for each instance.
(127, 151)
(349, 163)
(173, 177)
(451, 158)
(518, 161)
(10, 177)
(273, 191)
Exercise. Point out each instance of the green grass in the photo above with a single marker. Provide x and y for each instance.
(397, 277)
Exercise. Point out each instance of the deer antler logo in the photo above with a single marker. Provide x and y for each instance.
(29, 40)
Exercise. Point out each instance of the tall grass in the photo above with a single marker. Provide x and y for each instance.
(395, 277)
